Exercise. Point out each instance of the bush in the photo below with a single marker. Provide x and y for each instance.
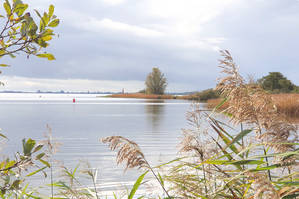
(205, 95)
(275, 82)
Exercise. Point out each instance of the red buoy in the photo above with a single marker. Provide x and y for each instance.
(74, 100)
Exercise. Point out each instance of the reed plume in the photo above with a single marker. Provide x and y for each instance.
(263, 187)
(249, 103)
(128, 151)
(196, 140)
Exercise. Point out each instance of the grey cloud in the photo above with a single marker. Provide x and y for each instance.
(262, 35)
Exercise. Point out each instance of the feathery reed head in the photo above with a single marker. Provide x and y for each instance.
(249, 103)
(263, 187)
(128, 151)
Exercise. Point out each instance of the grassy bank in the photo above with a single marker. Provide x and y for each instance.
(198, 96)
(285, 103)
(142, 96)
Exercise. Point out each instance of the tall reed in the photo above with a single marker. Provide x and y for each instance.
(259, 161)
(286, 103)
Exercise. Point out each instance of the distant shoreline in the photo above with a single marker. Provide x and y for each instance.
(148, 96)
(58, 92)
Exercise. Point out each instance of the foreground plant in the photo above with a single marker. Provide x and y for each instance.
(19, 31)
(242, 165)
(129, 152)
(15, 172)
(261, 161)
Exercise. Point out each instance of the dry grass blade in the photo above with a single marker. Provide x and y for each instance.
(128, 151)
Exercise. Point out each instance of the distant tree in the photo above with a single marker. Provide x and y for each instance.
(205, 95)
(276, 83)
(155, 82)
(142, 91)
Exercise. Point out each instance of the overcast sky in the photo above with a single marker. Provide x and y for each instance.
(107, 45)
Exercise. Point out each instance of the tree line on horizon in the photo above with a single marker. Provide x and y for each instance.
(274, 83)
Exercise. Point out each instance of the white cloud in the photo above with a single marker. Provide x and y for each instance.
(98, 25)
(113, 2)
(100, 38)
(16, 83)
(186, 17)
(34, 84)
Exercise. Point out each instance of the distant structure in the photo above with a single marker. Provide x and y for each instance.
(123, 91)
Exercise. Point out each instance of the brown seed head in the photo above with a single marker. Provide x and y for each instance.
(128, 151)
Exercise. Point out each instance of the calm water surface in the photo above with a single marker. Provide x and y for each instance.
(154, 124)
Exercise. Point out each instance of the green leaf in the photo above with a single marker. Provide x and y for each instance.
(42, 43)
(45, 162)
(28, 146)
(46, 55)
(236, 162)
(47, 32)
(239, 137)
(136, 185)
(16, 184)
(114, 196)
(226, 154)
(39, 147)
(17, 2)
(225, 139)
(7, 8)
(37, 171)
(38, 14)
(274, 166)
(51, 11)
(39, 156)
(46, 18)
(42, 23)
(1, 135)
(20, 9)
(246, 162)
(286, 154)
(47, 38)
(161, 179)
(54, 23)
(220, 104)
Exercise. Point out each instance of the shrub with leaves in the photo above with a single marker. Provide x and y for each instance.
(15, 172)
(19, 32)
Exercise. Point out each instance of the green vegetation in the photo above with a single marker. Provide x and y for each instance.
(155, 82)
(275, 82)
(204, 95)
(259, 161)
(20, 33)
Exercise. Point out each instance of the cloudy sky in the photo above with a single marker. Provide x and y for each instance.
(107, 45)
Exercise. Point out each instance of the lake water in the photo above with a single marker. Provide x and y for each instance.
(154, 124)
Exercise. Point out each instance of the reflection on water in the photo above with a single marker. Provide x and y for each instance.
(155, 114)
